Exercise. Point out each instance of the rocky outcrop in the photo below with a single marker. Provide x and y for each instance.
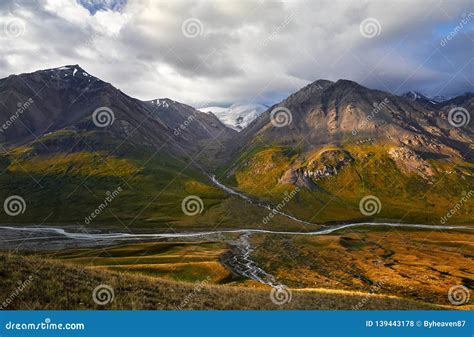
(297, 177)
(328, 163)
(409, 162)
(428, 145)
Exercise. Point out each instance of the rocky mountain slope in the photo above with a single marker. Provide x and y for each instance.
(340, 142)
(50, 100)
(326, 112)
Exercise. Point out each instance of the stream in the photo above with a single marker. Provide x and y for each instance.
(31, 238)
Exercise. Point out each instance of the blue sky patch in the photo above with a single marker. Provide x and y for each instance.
(93, 6)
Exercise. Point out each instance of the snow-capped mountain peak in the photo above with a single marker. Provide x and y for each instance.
(416, 96)
(70, 72)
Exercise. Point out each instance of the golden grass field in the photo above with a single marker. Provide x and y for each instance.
(398, 266)
(56, 285)
(420, 265)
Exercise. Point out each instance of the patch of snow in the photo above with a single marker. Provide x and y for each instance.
(237, 116)
(74, 72)
(416, 96)
(441, 99)
(163, 103)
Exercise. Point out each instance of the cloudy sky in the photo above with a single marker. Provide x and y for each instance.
(222, 52)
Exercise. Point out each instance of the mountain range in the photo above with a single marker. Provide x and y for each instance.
(69, 138)
(422, 98)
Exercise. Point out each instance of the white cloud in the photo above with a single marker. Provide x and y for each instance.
(260, 50)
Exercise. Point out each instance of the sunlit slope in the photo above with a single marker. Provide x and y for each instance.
(332, 179)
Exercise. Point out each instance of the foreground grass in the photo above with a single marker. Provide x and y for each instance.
(56, 285)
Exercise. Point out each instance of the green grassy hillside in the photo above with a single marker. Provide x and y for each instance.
(65, 176)
(405, 194)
